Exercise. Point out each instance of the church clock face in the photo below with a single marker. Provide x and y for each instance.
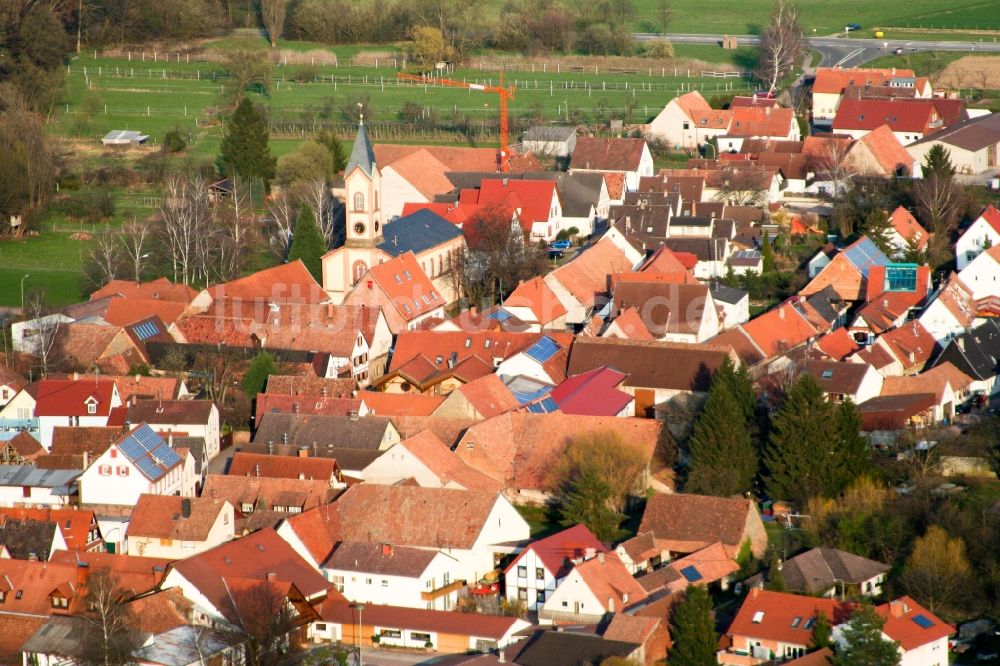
(359, 228)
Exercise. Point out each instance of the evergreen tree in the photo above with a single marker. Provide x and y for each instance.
(244, 151)
(821, 632)
(863, 644)
(723, 456)
(308, 243)
(261, 367)
(878, 228)
(937, 162)
(854, 450)
(767, 255)
(588, 502)
(336, 148)
(693, 630)
(802, 455)
(775, 579)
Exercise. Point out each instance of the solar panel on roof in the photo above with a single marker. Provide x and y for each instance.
(691, 573)
(923, 621)
(149, 468)
(864, 254)
(131, 448)
(550, 405)
(543, 350)
(145, 330)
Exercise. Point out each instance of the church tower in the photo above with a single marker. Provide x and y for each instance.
(363, 185)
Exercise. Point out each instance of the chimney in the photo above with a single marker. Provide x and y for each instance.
(256, 470)
(329, 310)
(76, 376)
(303, 452)
(781, 314)
(295, 408)
(387, 550)
(898, 608)
(600, 558)
(86, 459)
(284, 438)
(589, 553)
(501, 656)
(271, 576)
(323, 391)
(186, 506)
(82, 572)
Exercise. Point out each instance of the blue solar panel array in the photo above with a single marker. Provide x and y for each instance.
(145, 330)
(545, 406)
(524, 397)
(499, 315)
(923, 621)
(148, 452)
(692, 574)
(543, 350)
(864, 254)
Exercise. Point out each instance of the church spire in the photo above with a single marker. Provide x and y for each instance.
(362, 155)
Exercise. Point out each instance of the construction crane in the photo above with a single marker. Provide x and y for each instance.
(503, 155)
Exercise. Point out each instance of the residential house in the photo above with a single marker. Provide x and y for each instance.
(179, 418)
(21, 449)
(139, 463)
(284, 283)
(909, 119)
(78, 528)
(314, 434)
(900, 351)
(87, 401)
(763, 121)
(830, 573)
(971, 145)
(29, 539)
(262, 501)
(630, 157)
(76, 448)
(401, 289)
(683, 523)
(427, 461)
(593, 393)
(689, 122)
(544, 360)
(733, 303)
(304, 385)
(421, 629)
(945, 382)
(892, 295)
(848, 271)
(878, 153)
(657, 371)
(31, 486)
(569, 647)
(226, 583)
(174, 527)
(831, 83)
(842, 381)
(889, 414)
(10, 384)
(975, 354)
(670, 312)
(399, 404)
(481, 398)
(519, 449)
(539, 569)
(582, 284)
(275, 403)
(534, 303)
(980, 276)
(592, 591)
(951, 310)
(982, 234)
(535, 206)
(906, 233)
(821, 259)
(285, 467)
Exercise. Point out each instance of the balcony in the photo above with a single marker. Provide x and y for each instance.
(442, 591)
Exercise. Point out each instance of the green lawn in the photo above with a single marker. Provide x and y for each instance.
(922, 63)
(822, 16)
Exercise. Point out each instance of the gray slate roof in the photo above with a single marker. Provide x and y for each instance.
(818, 569)
(319, 432)
(726, 294)
(417, 232)
(365, 557)
(362, 155)
(549, 133)
(975, 352)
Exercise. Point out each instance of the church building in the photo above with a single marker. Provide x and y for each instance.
(370, 241)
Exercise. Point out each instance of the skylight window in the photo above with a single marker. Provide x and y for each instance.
(758, 617)
(796, 621)
(827, 374)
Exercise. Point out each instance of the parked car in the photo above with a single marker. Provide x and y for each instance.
(852, 27)
(561, 245)
(899, 51)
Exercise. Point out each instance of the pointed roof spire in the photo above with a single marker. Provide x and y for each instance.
(362, 155)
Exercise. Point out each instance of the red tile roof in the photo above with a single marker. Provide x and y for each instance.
(609, 581)
(533, 197)
(68, 397)
(274, 403)
(446, 465)
(908, 228)
(323, 387)
(838, 344)
(400, 404)
(435, 345)
(29, 584)
(285, 283)
(454, 158)
(991, 216)
(450, 211)
(282, 467)
(587, 275)
(160, 289)
(539, 298)
(600, 154)
(265, 493)
(757, 121)
(488, 395)
(406, 285)
(520, 449)
(687, 523)
(833, 80)
(900, 625)
(451, 623)
(886, 149)
(901, 115)
(125, 311)
(775, 613)
(615, 182)
(557, 552)
(162, 517)
(75, 525)
(912, 344)
(592, 393)
(778, 330)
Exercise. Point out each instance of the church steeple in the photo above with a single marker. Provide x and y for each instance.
(363, 185)
(362, 155)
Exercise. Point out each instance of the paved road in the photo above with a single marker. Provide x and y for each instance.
(846, 52)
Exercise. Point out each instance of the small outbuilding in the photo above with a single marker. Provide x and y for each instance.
(124, 138)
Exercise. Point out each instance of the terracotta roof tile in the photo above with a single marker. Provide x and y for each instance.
(265, 492)
(406, 285)
(274, 403)
(160, 289)
(610, 582)
(607, 154)
(26, 446)
(586, 276)
(161, 516)
(381, 559)
(775, 613)
(284, 283)
(651, 364)
(833, 80)
(592, 393)
(446, 465)
(901, 115)
(400, 404)
(901, 625)
(713, 563)
(911, 344)
(442, 622)
(282, 467)
(520, 449)
(885, 148)
(838, 344)
(757, 121)
(539, 298)
(68, 397)
(489, 396)
(688, 523)
(558, 551)
(310, 385)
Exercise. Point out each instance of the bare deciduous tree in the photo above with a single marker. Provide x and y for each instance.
(316, 195)
(44, 334)
(105, 258)
(272, 14)
(249, 64)
(111, 635)
(135, 238)
(782, 44)
(938, 201)
(742, 186)
(237, 228)
(281, 214)
(185, 225)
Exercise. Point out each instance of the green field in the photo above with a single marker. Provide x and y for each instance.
(823, 16)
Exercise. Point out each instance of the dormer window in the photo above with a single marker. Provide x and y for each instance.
(59, 601)
(3, 596)
(91, 406)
